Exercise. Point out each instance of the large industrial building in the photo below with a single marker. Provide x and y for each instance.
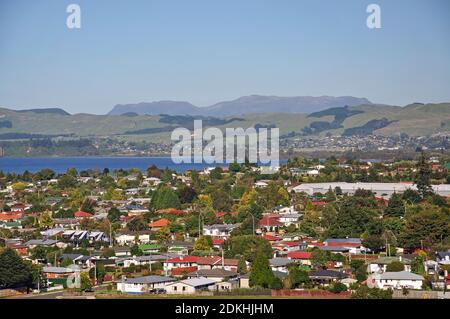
(379, 189)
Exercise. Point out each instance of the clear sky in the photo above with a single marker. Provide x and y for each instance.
(206, 51)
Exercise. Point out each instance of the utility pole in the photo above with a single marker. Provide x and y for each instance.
(110, 234)
(223, 261)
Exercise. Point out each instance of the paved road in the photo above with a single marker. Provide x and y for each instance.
(52, 295)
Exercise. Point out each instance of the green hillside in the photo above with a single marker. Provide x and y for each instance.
(415, 119)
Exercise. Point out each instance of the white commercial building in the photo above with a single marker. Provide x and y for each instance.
(380, 189)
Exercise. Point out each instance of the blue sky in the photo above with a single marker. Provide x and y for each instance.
(206, 51)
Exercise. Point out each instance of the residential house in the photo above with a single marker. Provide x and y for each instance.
(191, 286)
(300, 257)
(379, 265)
(217, 274)
(57, 272)
(270, 223)
(158, 224)
(325, 277)
(81, 215)
(144, 284)
(395, 280)
(40, 242)
(181, 261)
(130, 238)
(280, 264)
(219, 230)
(216, 262)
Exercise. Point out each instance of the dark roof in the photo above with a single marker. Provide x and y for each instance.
(442, 254)
(216, 272)
(325, 273)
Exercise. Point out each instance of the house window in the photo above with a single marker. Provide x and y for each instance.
(175, 288)
(184, 288)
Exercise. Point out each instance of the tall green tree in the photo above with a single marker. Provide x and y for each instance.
(423, 177)
(14, 272)
(261, 274)
(425, 228)
(165, 197)
(395, 207)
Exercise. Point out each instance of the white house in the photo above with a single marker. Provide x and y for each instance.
(280, 264)
(288, 219)
(190, 286)
(219, 230)
(130, 238)
(261, 184)
(395, 280)
(379, 265)
(142, 285)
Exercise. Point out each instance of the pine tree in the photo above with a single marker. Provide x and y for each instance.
(395, 208)
(261, 273)
(423, 177)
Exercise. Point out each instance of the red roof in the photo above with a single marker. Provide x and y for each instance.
(183, 259)
(220, 214)
(316, 244)
(182, 270)
(81, 214)
(9, 216)
(270, 237)
(266, 221)
(212, 260)
(218, 241)
(159, 223)
(291, 243)
(299, 255)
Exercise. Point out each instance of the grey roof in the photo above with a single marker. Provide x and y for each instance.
(57, 270)
(278, 262)
(388, 260)
(334, 248)
(222, 226)
(148, 280)
(344, 240)
(197, 282)
(216, 272)
(400, 275)
(43, 242)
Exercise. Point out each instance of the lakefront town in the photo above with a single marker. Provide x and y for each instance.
(330, 228)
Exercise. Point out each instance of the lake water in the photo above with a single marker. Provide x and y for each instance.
(61, 164)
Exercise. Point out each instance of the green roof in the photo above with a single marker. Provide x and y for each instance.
(149, 246)
(388, 260)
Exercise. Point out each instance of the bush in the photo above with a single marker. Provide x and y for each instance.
(337, 287)
(365, 292)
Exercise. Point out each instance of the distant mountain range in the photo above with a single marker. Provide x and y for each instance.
(243, 105)
(416, 119)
